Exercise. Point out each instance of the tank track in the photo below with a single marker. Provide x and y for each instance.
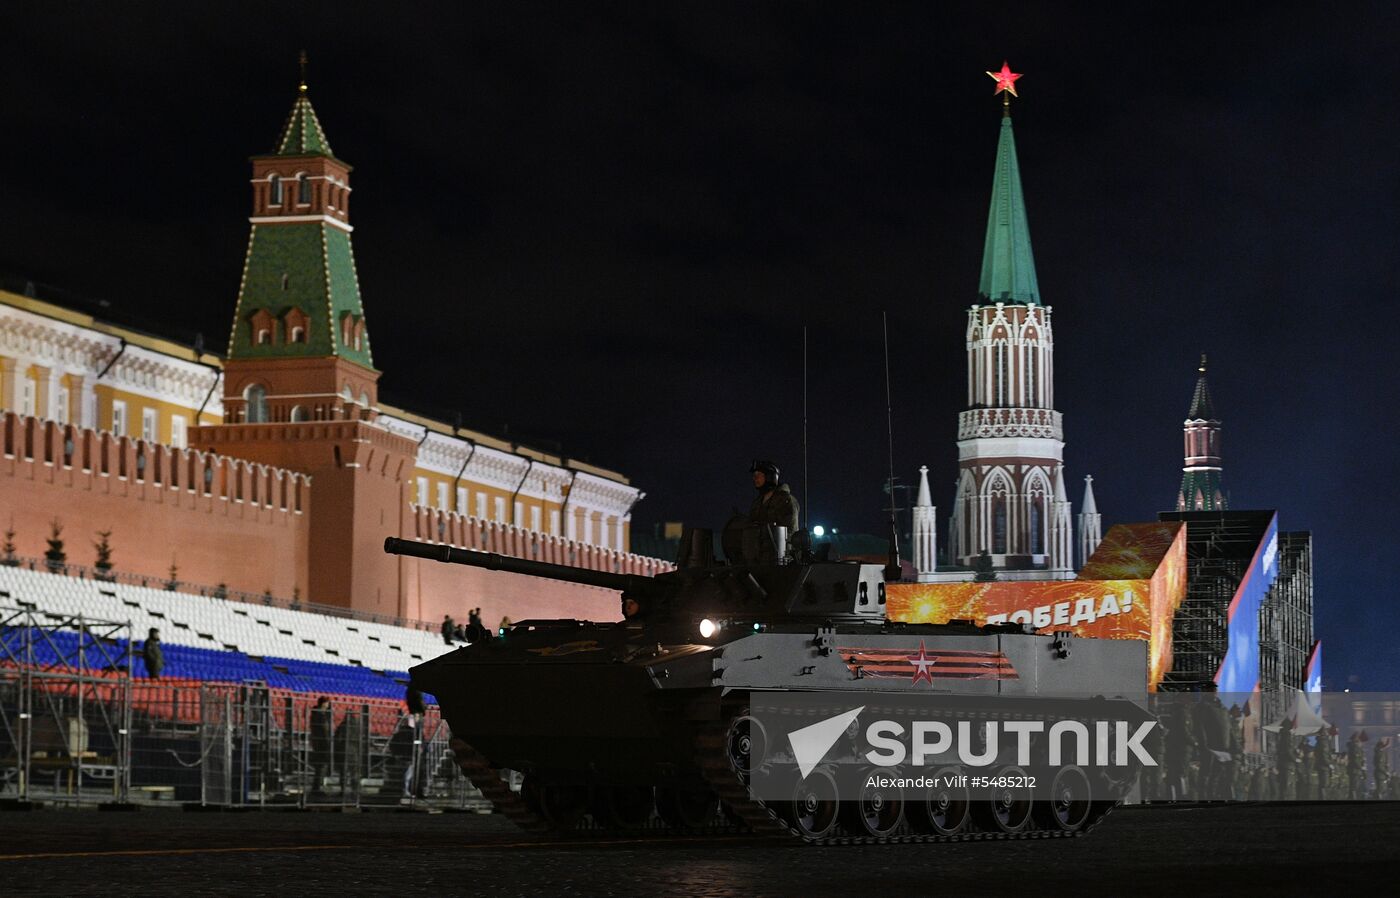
(487, 779)
(513, 806)
(764, 820)
(758, 818)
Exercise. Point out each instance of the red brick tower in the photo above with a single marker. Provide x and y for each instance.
(300, 389)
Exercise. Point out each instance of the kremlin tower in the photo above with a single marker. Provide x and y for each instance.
(300, 387)
(1011, 501)
(1200, 477)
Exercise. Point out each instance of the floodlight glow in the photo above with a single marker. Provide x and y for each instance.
(819, 531)
(708, 628)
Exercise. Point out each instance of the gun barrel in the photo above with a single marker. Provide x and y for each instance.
(494, 562)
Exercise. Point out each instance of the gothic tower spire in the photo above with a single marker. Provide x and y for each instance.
(1201, 474)
(1008, 265)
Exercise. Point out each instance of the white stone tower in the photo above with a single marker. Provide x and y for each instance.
(925, 529)
(1090, 523)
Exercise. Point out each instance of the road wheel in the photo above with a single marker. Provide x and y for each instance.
(945, 808)
(814, 807)
(1068, 809)
(1008, 810)
(879, 810)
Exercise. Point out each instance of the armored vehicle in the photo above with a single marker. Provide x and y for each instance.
(645, 722)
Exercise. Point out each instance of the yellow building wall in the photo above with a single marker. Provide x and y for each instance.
(135, 408)
(475, 489)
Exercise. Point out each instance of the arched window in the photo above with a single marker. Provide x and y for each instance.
(298, 413)
(1002, 388)
(1037, 526)
(999, 526)
(274, 190)
(298, 335)
(1034, 358)
(303, 190)
(255, 399)
(264, 336)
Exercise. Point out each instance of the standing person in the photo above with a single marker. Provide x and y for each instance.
(1322, 764)
(155, 659)
(1212, 725)
(505, 624)
(449, 629)
(403, 756)
(1380, 768)
(413, 700)
(1283, 758)
(1356, 768)
(322, 743)
(1176, 749)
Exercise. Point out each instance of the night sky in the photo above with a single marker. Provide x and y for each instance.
(607, 225)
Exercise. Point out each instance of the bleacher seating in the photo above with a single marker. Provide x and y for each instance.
(214, 640)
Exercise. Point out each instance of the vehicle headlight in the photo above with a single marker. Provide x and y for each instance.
(708, 628)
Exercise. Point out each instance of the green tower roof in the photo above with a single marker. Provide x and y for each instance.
(1008, 266)
(302, 135)
(308, 267)
(1202, 409)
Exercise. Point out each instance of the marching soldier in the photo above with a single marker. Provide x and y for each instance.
(1322, 765)
(1356, 768)
(1283, 758)
(1380, 766)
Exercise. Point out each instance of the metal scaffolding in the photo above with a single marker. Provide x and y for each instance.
(75, 727)
(1219, 548)
(65, 706)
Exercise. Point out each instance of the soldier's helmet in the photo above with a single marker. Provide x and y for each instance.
(769, 470)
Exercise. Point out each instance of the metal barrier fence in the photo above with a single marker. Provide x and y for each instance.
(75, 727)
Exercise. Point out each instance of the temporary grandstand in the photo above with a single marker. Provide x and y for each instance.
(214, 640)
(232, 718)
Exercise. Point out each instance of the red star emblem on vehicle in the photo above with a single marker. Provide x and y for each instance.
(1005, 79)
(922, 662)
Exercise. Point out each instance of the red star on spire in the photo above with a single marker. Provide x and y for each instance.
(1005, 79)
(922, 662)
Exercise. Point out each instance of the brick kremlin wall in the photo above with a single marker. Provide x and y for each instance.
(227, 520)
(220, 519)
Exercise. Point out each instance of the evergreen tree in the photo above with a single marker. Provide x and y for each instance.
(982, 564)
(54, 556)
(103, 546)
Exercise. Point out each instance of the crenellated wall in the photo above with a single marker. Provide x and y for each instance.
(248, 525)
(220, 519)
(433, 589)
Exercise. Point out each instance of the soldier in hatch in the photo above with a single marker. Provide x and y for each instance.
(774, 504)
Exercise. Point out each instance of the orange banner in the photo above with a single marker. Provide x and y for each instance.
(1139, 603)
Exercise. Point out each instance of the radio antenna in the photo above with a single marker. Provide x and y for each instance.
(806, 496)
(893, 570)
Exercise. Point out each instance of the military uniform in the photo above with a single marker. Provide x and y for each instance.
(1322, 765)
(776, 507)
(1356, 769)
(1283, 759)
(1212, 726)
(1380, 767)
